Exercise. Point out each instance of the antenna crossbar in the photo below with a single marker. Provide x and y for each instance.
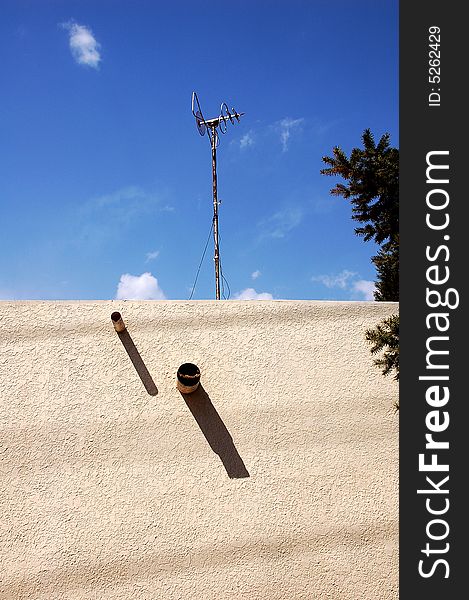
(215, 122)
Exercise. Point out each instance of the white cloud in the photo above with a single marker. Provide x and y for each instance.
(139, 287)
(251, 294)
(347, 280)
(286, 127)
(281, 223)
(247, 140)
(152, 255)
(83, 45)
(256, 274)
(341, 280)
(364, 287)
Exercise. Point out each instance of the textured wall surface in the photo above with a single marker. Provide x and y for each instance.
(278, 479)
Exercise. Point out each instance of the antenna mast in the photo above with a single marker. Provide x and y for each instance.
(211, 126)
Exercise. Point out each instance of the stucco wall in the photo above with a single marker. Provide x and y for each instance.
(278, 480)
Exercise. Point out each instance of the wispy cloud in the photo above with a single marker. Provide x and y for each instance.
(286, 127)
(21, 32)
(139, 287)
(83, 45)
(247, 140)
(364, 288)
(286, 131)
(152, 255)
(106, 217)
(281, 223)
(251, 294)
(255, 275)
(346, 280)
(131, 198)
(341, 280)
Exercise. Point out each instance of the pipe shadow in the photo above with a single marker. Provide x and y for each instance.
(215, 432)
(137, 362)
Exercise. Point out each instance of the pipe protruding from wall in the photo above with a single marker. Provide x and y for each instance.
(117, 321)
(188, 378)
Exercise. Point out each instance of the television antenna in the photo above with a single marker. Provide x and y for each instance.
(212, 126)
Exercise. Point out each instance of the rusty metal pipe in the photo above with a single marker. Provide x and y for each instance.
(117, 321)
(188, 378)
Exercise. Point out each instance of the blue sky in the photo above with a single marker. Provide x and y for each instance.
(105, 186)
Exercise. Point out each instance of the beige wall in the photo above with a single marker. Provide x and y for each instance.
(278, 480)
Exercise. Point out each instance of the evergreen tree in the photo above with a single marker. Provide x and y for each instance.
(386, 337)
(387, 267)
(372, 176)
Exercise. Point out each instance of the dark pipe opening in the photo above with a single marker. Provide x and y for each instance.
(117, 321)
(188, 374)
